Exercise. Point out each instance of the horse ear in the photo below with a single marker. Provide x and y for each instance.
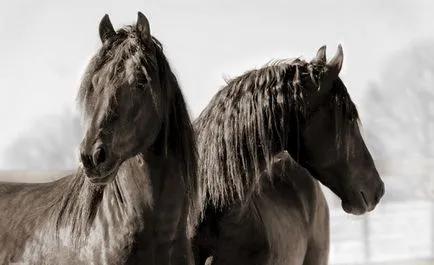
(334, 66)
(106, 29)
(142, 27)
(320, 56)
(332, 70)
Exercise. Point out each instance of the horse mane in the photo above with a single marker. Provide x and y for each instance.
(78, 200)
(126, 55)
(178, 135)
(248, 121)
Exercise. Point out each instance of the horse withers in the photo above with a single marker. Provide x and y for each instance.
(249, 217)
(128, 202)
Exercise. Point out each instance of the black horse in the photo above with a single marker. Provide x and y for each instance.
(254, 215)
(128, 203)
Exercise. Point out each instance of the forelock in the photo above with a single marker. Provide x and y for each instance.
(122, 59)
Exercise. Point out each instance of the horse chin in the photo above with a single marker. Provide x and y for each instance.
(106, 179)
(353, 209)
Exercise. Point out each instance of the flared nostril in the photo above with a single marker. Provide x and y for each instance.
(86, 160)
(365, 200)
(99, 156)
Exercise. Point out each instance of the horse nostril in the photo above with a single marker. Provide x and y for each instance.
(86, 161)
(364, 198)
(99, 156)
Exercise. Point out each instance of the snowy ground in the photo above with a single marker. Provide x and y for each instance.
(395, 232)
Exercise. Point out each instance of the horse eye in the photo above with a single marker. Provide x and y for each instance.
(141, 86)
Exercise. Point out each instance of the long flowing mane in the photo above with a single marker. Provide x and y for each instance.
(126, 55)
(249, 120)
(41, 219)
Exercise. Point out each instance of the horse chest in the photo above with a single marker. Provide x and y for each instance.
(111, 245)
(114, 240)
(104, 245)
(108, 241)
(286, 227)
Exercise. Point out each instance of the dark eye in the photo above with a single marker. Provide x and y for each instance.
(141, 86)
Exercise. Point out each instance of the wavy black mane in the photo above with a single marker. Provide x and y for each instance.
(126, 55)
(249, 120)
(110, 223)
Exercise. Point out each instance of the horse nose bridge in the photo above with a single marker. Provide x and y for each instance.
(92, 134)
(91, 138)
(85, 146)
(84, 153)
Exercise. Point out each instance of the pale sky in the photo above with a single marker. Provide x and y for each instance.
(45, 44)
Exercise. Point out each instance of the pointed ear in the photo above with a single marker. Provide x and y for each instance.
(320, 57)
(142, 27)
(106, 29)
(332, 70)
(334, 66)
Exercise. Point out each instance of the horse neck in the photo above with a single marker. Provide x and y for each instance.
(120, 212)
(139, 183)
(160, 168)
(132, 190)
(121, 202)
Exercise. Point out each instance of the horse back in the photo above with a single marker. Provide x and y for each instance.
(24, 206)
